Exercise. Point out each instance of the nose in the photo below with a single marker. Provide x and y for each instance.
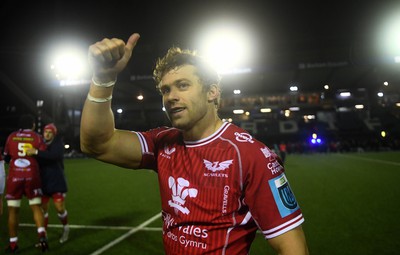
(171, 96)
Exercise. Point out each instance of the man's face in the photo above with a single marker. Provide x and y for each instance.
(183, 97)
(48, 135)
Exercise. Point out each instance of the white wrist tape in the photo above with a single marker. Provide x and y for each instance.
(98, 100)
(104, 85)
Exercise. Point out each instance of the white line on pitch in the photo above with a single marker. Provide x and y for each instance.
(91, 227)
(132, 231)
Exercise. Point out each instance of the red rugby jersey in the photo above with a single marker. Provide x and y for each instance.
(216, 192)
(17, 142)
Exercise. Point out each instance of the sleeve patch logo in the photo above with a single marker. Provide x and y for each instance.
(283, 195)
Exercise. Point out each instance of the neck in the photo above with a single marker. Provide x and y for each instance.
(202, 130)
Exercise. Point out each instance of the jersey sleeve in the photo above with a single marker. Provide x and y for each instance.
(149, 141)
(268, 194)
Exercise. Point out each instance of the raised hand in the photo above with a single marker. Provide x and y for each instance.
(109, 57)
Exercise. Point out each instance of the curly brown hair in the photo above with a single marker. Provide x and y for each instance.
(177, 57)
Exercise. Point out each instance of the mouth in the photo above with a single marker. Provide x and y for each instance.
(175, 111)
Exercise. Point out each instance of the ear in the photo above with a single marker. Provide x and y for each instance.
(213, 93)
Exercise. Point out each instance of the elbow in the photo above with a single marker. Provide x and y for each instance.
(95, 145)
(83, 149)
(86, 147)
(91, 148)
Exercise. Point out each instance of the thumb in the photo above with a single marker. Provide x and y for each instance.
(131, 43)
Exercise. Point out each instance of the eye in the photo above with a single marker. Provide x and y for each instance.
(183, 85)
(164, 90)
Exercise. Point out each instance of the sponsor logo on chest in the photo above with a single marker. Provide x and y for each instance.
(187, 235)
(275, 167)
(244, 137)
(168, 151)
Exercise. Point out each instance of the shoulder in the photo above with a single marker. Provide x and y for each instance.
(160, 136)
(162, 132)
(251, 148)
(38, 137)
(12, 134)
(242, 138)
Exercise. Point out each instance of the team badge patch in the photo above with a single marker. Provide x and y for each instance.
(283, 195)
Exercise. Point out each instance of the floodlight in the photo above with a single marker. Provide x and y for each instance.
(345, 94)
(227, 47)
(264, 110)
(287, 113)
(390, 35)
(39, 103)
(238, 111)
(227, 120)
(309, 117)
(67, 62)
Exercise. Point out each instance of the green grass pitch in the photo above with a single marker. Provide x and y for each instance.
(350, 203)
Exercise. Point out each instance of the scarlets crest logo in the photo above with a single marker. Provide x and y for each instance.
(217, 166)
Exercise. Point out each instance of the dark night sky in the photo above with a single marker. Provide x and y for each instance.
(29, 29)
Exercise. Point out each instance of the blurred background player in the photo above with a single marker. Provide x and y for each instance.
(24, 180)
(54, 184)
(282, 151)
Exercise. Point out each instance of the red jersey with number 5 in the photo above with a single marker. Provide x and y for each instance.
(22, 165)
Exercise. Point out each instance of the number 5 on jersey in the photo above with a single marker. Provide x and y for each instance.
(22, 147)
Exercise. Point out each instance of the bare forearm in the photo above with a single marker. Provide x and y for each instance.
(107, 59)
(97, 122)
(292, 242)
